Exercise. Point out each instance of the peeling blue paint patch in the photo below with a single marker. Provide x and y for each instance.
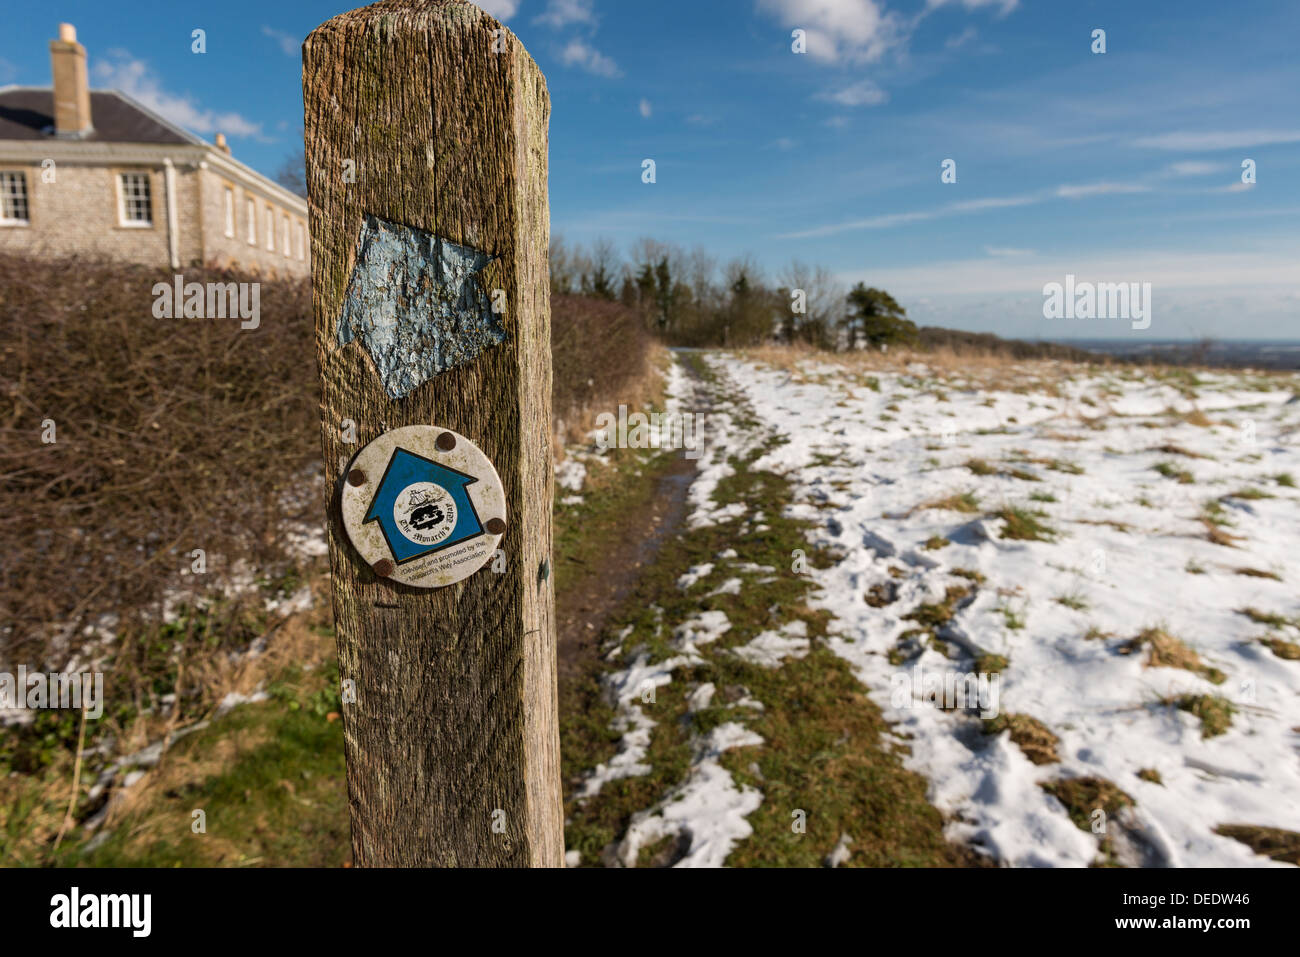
(415, 306)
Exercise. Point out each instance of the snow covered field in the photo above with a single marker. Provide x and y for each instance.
(1119, 546)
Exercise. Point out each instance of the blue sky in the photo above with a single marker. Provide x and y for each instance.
(1115, 167)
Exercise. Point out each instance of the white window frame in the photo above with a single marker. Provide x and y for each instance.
(19, 176)
(286, 239)
(302, 241)
(270, 229)
(230, 211)
(122, 219)
(250, 210)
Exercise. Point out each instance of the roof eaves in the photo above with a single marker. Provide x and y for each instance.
(286, 196)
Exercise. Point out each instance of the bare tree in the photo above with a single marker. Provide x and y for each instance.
(606, 271)
(822, 300)
(700, 272)
(292, 174)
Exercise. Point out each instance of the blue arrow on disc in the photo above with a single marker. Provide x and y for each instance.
(406, 469)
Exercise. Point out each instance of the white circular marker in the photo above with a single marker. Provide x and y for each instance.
(424, 506)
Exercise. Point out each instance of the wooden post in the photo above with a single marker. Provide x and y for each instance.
(428, 119)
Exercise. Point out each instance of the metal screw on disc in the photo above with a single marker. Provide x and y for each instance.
(356, 478)
(383, 568)
(446, 442)
(496, 527)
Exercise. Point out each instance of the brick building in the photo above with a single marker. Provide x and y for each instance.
(94, 173)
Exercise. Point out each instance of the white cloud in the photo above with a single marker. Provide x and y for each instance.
(857, 31)
(1007, 251)
(888, 220)
(992, 202)
(961, 39)
(1164, 269)
(883, 221)
(862, 93)
(501, 9)
(1193, 168)
(579, 53)
(645, 109)
(1217, 140)
(120, 71)
(289, 44)
(784, 144)
(1004, 6)
(561, 13)
(863, 31)
(1099, 189)
(7, 71)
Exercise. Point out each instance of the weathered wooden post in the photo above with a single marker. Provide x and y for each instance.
(426, 140)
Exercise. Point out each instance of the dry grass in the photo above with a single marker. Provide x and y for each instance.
(1215, 534)
(1259, 573)
(1166, 651)
(1170, 448)
(964, 502)
(1084, 796)
(986, 369)
(1287, 650)
(1022, 524)
(37, 798)
(1033, 737)
(299, 638)
(1171, 471)
(1272, 619)
(1272, 842)
(1214, 713)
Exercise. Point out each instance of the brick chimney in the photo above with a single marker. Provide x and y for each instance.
(222, 144)
(71, 88)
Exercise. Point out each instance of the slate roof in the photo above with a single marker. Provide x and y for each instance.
(27, 113)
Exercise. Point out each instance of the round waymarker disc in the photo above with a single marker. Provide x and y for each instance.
(424, 506)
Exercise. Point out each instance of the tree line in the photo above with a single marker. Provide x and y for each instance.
(688, 299)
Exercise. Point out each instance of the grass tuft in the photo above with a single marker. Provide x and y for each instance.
(1033, 737)
(1166, 651)
(1271, 842)
(936, 615)
(1023, 525)
(1171, 471)
(1267, 618)
(966, 503)
(1083, 796)
(991, 664)
(1170, 448)
(1251, 494)
(1287, 650)
(1259, 573)
(1074, 601)
(1215, 713)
